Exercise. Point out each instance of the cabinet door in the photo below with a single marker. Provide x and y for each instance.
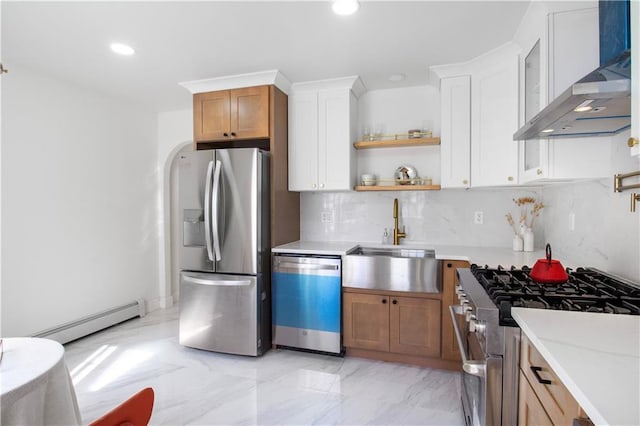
(530, 410)
(335, 147)
(415, 326)
(366, 321)
(250, 112)
(303, 141)
(455, 145)
(558, 402)
(449, 281)
(211, 119)
(494, 120)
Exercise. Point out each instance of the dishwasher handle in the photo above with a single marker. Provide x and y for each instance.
(308, 266)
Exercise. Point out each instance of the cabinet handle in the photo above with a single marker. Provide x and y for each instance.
(384, 301)
(322, 185)
(539, 172)
(449, 265)
(536, 372)
(510, 178)
(313, 185)
(233, 133)
(395, 302)
(633, 142)
(464, 182)
(225, 134)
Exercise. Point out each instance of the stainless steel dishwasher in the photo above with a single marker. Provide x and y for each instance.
(307, 300)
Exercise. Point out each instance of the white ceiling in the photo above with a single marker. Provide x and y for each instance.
(182, 41)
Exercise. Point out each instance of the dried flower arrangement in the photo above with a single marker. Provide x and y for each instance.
(529, 211)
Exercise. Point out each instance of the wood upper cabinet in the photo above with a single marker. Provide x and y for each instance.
(396, 324)
(449, 281)
(366, 321)
(237, 114)
(415, 326)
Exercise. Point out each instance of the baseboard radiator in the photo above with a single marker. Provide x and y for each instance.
(90, 324)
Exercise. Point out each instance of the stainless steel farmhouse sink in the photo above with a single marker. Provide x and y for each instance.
(392, 268)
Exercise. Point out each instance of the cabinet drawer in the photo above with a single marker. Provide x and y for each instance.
(530, 410)
(554, 396)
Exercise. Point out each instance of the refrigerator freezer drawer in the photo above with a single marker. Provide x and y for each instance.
(306, 295)
(219, 313)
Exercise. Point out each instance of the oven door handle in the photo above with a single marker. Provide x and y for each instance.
(475, 368)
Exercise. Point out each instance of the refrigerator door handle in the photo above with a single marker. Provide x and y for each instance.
(207, 212)
(216, 282)
(216, 207)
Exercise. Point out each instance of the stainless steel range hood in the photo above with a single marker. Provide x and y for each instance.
(600, 103)
(597, 105)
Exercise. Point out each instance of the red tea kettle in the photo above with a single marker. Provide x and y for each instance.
(548, 271)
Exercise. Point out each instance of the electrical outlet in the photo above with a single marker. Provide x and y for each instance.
(572, 221)
(478, 218)
(326, 216)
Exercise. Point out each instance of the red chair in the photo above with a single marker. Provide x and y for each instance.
(135, 411)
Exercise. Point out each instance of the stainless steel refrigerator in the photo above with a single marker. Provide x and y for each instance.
(224, 256)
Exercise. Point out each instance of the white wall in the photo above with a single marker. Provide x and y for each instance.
(79, 198)
(606, 232)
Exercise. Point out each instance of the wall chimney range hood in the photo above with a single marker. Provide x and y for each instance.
(599, 104)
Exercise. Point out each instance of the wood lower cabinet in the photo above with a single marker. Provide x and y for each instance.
(530, 410)
(414, 326)
(543, 399)
(450, 349)
(392, 323)
(366, 321)
(228, 115)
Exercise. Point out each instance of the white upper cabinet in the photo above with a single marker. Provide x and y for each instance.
(479, 114)
(559, 48)
(455, 133)
(322, 129)
(494, 118)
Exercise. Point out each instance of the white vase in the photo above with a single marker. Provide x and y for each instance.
(517, 243)
(527, 240)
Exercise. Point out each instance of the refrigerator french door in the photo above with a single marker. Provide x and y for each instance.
(224, 255)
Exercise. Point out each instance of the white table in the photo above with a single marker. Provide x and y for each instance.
(35, 384)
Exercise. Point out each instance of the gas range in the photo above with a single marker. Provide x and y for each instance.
(489, 337)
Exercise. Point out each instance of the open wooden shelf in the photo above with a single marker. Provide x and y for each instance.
(398, 188)
(395, 143)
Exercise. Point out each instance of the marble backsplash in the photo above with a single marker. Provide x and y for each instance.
(437, 217)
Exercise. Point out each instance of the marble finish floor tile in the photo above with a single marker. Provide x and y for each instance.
(282, 387)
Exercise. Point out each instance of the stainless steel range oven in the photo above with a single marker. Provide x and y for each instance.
(489, 338)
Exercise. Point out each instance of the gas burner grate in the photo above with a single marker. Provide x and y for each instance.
(586, 290)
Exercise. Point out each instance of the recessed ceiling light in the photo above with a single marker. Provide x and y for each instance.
(122, 49)
(397, 77)
(548, 130)
(345, 7)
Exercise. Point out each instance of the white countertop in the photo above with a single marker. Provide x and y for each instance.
(597, 357)
(492, 256)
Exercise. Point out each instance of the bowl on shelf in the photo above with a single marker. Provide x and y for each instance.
(368, 180)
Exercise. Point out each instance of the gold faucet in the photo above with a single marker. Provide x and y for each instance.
(396, 231)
